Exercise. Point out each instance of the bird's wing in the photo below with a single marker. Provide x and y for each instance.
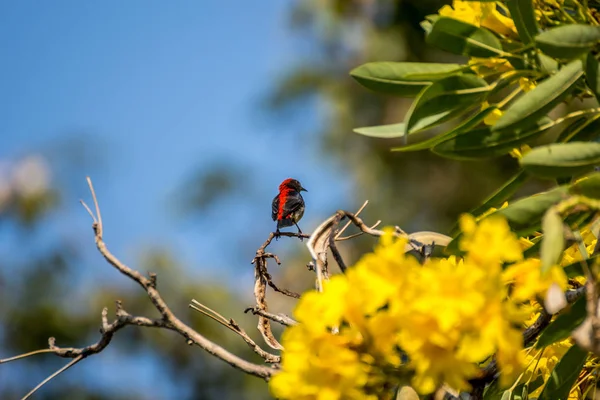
(275, 208)
(293, 203)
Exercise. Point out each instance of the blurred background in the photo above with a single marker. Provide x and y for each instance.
(187, 116)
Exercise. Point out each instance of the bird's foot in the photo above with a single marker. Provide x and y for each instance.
(277, 235)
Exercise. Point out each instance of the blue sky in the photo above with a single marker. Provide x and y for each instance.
(152, 91)
(155, 90)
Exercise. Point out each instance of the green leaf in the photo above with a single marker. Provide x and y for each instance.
(536, 103)
(521, 11)
(529, 210)
(592, 75)
(564, 324)
(484, 143)
(562, 159)
(524, 214)
(383, 131)
(564, 375)
(568, 41)
(588, 186)
(553, 242)
(470, 123)
(584, 129)
(502, 194)
(548, 65)
(445, 99)
(461, 38)
(401, 78)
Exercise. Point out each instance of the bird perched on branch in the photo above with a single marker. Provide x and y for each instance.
(288, 206)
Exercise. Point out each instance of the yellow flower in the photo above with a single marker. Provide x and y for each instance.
(542, 364)
(489, 66)
(493, 117)
(529, 281)
(396, 319)
(492, 241)
(319, 367)
(518, 153)
(573, 253)
(527, 84)
(480, 13)
(490, 211)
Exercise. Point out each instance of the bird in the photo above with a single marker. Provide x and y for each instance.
(288, 206)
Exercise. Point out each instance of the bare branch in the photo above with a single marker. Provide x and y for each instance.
(170, 321)
(54, 375)
(31, 353)
(96, 205)
(334, 251)
(281, 318)
(286, 292)
(233, 326)
(337, 236)
(375, 225)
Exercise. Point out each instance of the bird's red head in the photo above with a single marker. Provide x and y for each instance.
(291, 184)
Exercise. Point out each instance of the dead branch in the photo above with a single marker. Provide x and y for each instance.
(319, 243)
(234, 327)
(262, 278)
(280, 318)
(168, 319)
(324, 236)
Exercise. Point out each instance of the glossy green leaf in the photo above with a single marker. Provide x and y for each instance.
(562, 159)
(592, 75)
(502, 194)
(564, 324)
(529, 210)
(564, 375)
(536, 103)
(521, 12)
(383, 131)
(553, 242)
(446, 98)
(568, 41)
(401, 78)
(461, 38)
(588, 186)
(484, 143)
(469, 124)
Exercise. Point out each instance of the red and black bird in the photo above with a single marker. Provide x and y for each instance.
(288, 206)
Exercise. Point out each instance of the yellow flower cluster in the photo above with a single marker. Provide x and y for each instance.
(480, 13)
(541, 364)
(391, 320)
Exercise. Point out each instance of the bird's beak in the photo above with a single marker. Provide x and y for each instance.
(302, 189)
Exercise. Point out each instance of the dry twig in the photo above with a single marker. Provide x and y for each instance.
(168, 319)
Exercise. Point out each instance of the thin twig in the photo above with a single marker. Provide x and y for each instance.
(354, 235)
(89, 211)
(98, 214)
(20, 356)
(54, 375)
(334, 250)
(337, 236)
(234, 327)
(198, 304)
(286, 292)
(169, 320)
(281, 318)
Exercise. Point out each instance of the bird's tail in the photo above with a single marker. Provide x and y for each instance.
(284, 223)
